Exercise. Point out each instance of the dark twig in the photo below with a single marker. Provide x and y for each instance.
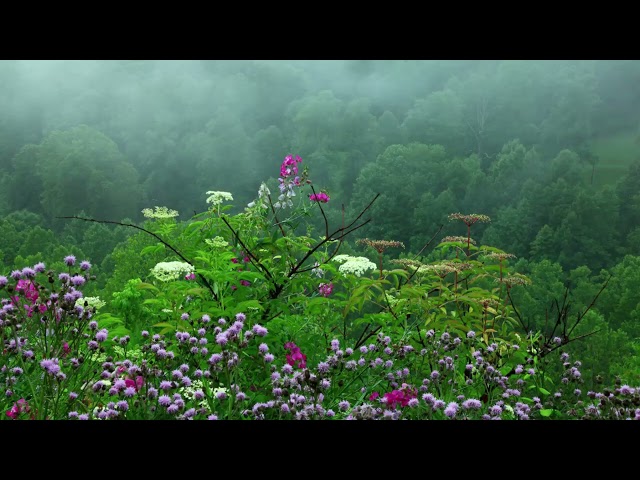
(204, 280)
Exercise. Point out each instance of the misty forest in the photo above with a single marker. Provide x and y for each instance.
(320, 239)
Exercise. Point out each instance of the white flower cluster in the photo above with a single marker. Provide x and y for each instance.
(160, 212)
(216, 198)
(220, 390)
(93, 302)
(167, 271)
(355, 265)
(263, 193)
(188, 392)
(216, 242)
(284, 199)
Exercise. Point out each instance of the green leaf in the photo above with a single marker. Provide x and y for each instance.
(147, 286)
(249, 305)
(152, 249)
(164, 324)
(546, 412)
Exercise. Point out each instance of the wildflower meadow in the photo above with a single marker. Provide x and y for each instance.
(281, 312)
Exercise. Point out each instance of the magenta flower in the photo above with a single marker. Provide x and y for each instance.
(289, 166)
(28, 289)
(325, 289)
(190, 276)
(400, 397)
(137, 384)
(319, 197)
(18, 407)
(295, 357)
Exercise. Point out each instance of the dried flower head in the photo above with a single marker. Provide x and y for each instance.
(514, 279)
(455, 238)
(407, 262)
(499, 256)
(469, 219)
(380, 245)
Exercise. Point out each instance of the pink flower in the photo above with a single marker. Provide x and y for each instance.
(295, 357)
(246, 283)
(18, 407)
(319, 197)
(289, 166)
(138, 384)
(28, 289)
(373, 396)
(325, 289)
(190, 276)
(234, 260)
(401, 396)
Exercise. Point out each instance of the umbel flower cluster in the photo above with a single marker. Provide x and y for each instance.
(354, 265)
(168, 271)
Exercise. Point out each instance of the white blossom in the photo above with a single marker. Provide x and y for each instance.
(94, 302)
(216, 242)
(167, 271)
(216, 198)
(355, 265)
(160, 212)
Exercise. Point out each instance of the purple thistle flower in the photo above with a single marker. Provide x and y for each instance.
(70, 260)
(471, 403)
(451, 410)
(28, 272)
(102, 335)
(85, 265)
(344, 405)
(164, 400)
(16, 274)
(166, 385)
(129, 392)
(263, 348)
(260, 330)
(73, 414)
(215, 358)
(123, 405)
(3, 280)
(173, 408)
(78, 280)
(269, 357)
(39, 267)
